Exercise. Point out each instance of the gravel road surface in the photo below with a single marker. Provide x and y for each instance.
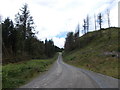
(62, 75)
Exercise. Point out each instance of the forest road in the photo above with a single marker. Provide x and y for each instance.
(62, 75)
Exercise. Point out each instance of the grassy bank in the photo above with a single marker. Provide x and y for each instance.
(0, 76)
(100, 55)
(15, 75)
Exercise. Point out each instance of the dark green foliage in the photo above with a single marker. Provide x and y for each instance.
(20, 42)
(8, 37)
(49, 48)
(57, 49)
(35, 48)
(69, 44)
(72, 40)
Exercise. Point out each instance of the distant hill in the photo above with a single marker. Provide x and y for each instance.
(97, 51)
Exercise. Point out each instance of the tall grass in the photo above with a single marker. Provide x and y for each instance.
(15, 75)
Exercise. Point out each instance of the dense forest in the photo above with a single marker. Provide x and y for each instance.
(19, 41)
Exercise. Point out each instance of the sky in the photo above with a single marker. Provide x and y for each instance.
(55, 18)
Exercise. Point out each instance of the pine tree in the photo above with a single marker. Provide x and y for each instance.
(95, 21)
(25, 27)
(8, 36)
(69, 43)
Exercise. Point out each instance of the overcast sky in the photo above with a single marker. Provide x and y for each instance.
(54, 18)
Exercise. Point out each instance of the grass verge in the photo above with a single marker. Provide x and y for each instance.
(15, 75)
(106, 65)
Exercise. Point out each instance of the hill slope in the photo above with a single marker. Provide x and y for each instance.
(100, 54)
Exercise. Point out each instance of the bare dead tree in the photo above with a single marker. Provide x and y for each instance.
(84, 26)
(87, 22)
(108, 17)
(95, 21)
(77, 31)
(100, 20)
(0, 19)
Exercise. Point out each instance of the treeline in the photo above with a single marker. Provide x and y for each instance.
(74, 42)
(19, 41)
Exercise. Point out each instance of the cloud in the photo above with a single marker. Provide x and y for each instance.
(59, 42)
(47, 3)
(52, 17)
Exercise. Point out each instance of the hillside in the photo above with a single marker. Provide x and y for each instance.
(99, 53)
